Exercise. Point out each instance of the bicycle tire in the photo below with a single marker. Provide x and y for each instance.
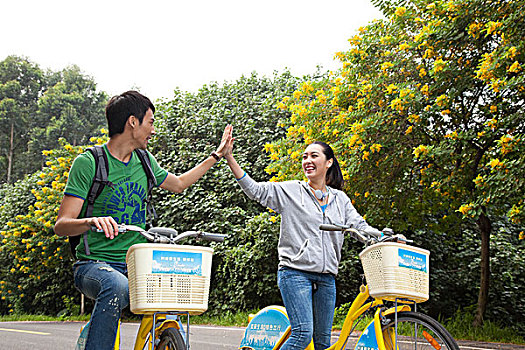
(171, 339)
(431, 334)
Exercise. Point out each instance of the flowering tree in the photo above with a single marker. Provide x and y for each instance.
(426, 116)
(36, 270)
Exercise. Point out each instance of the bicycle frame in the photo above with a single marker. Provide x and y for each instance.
(358, 307)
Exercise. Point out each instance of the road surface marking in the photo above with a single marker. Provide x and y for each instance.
(23, 331)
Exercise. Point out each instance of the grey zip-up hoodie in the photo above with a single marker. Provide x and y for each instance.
(301, 244)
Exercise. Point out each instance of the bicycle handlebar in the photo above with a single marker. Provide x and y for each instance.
(366, 237)
(167, 235)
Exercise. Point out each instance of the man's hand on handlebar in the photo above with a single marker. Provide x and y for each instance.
(105, 224)
(164, 234)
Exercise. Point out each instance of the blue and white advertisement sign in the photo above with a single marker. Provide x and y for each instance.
(412, 260)
(368, 339)
(265, 330)
(184, 263)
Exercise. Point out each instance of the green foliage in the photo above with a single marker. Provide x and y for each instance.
(38, 108)
(70, 108)
(189, 128)
(246, 267)
(21, 83)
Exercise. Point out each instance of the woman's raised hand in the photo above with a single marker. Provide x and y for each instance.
(226, 141)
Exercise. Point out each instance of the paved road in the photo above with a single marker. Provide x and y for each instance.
(62, 335)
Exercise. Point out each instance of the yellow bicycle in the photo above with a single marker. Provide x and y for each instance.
(397, 276)
(165, 280)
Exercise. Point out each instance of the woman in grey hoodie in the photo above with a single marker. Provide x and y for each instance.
(308, 257)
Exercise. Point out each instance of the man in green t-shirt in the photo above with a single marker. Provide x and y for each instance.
(101, 274)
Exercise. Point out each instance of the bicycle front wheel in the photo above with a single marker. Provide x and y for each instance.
(416, 331)
(171, 339)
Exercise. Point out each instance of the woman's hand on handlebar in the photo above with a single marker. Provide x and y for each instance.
(105, 224)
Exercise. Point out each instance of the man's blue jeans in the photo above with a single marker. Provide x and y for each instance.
(107, 284)
(309, 299)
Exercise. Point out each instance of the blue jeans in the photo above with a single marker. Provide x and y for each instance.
(107, 284)
(309, 299)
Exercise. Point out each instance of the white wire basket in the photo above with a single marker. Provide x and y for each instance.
(167, 277)
(395, 270)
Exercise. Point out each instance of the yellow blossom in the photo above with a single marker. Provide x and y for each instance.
(514, 68)
(479, 180)
(396, 104)
(391, 88)
(492, 123)
(493, 109)
(496, 85)
(465, 208)
(404, 92)
(512, 52)
(492, 26)
(375, 147)
(474, 29)
(441, 100)
(439, 65)
(409, 130)
(419, 150)
(495, 163)
(386, 65)
(404, 46)
(413, 118)
(400, 11)
(452, 135)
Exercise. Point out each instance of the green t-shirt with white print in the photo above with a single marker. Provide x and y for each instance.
(125, 202)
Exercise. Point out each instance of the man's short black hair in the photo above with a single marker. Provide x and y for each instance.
(121, 107)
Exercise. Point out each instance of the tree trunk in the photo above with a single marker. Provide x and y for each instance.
(485, 227)
(10, 153)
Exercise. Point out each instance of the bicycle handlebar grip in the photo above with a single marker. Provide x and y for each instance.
(328, 227)
(120, 229)
(214, 237)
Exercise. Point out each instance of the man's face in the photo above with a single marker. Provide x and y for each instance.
(143, 132)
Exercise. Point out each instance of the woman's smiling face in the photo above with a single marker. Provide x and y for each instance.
(315, 164)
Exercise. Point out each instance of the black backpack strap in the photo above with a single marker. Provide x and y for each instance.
(152, 182)
(97, 186)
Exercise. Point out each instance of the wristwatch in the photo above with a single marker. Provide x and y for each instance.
(215, 155)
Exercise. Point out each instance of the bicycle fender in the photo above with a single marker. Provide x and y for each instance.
(400, 308)
(166, 324)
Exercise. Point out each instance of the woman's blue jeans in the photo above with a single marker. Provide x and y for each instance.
(309, 299)
(107, 284)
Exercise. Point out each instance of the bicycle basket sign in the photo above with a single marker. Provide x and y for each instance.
(183, 263)
(412, 260)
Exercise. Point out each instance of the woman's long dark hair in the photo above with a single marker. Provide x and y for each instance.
(334, 176)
